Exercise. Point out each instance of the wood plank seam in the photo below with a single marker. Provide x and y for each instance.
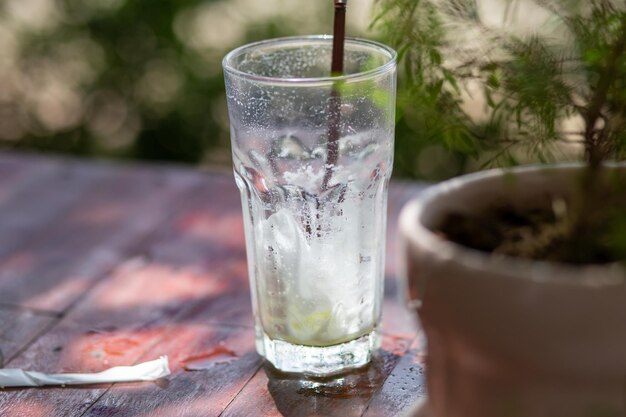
(32, 340)
(79, 189)
(406, 352)
(97, 400)
(139, 246)
(56, 314)
(145, 356)
(259, 369)
(136, 248)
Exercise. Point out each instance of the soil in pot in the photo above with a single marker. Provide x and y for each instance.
(589, 229)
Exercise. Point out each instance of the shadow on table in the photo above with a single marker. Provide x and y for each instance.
(342, 395)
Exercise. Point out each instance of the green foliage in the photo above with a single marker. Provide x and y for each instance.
(429, 105)
(571, 67)
(557, 86)
(148, 80)
(616, 239)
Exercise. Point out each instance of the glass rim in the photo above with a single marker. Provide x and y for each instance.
(381, 69)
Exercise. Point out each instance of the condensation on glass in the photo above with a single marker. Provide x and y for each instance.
(314, 222)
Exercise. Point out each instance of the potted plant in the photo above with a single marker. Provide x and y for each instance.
(518, 274)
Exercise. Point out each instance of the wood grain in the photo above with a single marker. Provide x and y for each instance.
(134, 311)
(104, 264)
(19, 327)
(33, 194)
(16, 172)
(116, 324)
(404, 386)
(65, 257)
(271, 393)
(205, 391)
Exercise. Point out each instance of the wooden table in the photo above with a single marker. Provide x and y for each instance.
(104, 264)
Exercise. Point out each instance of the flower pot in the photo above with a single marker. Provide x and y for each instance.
(510, 336)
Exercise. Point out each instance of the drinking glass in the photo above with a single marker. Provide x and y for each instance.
(312, 158)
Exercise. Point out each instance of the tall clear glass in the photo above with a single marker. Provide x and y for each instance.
(312, 158)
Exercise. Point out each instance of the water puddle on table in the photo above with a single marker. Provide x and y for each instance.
(217, 356)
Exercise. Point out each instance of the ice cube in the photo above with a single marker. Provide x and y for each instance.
(290, 146)
(359, 144)
(324, 280)
(367, 151)
(319, 152)
(283, 230)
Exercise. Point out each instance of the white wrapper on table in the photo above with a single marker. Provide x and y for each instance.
(147, 371)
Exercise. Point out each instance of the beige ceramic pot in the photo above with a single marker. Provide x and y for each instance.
(510, 337)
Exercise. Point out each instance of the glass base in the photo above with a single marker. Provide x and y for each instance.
(318, 361)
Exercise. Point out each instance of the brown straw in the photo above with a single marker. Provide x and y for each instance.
(339, 34)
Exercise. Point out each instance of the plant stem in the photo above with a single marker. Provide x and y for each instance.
(590, 205)
(594, 138)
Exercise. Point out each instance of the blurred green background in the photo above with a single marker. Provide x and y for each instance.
(142, 79)
(136, 79)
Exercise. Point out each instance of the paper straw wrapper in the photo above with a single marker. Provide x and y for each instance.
(147, 371)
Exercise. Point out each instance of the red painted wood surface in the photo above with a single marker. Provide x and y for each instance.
(105, 264)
